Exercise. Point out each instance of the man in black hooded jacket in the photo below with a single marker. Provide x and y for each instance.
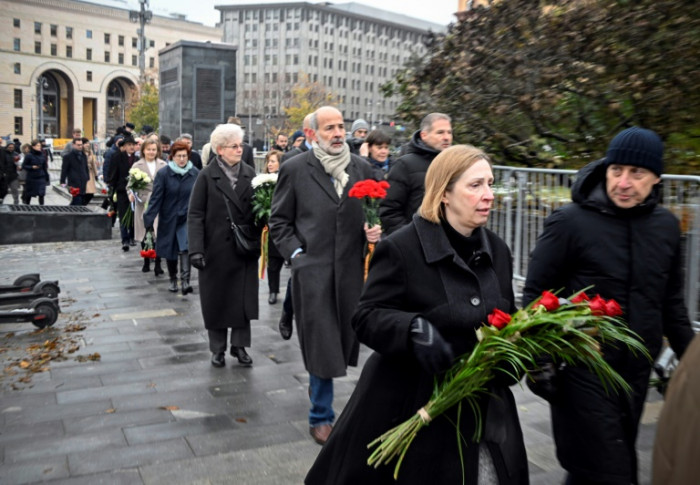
(407, 176)
(616, 237)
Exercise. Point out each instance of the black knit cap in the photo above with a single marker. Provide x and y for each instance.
(639, 147)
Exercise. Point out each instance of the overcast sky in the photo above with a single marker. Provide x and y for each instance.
(438, 11)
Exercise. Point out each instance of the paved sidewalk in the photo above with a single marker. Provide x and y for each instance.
(152, 410)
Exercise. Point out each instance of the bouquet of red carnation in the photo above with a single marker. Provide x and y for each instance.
(148, 250)
(568, 330)
(74, 191)
(370, 192)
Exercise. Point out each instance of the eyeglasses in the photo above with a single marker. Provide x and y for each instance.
(235, 147)
(180, 155)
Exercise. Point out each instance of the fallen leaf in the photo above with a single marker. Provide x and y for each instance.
(169, 408)
(241, 420)
(111, 411)
(24, 364)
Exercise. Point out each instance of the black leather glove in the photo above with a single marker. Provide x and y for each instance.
(197, 260)
(432, 351)
(542, 381)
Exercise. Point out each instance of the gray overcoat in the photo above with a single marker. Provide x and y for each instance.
(228, 285)
(327, 277)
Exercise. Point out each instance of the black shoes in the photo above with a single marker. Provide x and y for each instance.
(218, 360)
(173, 285)
(157, 269)
(132, 243)
(146, 265)
(272, 299)
(242, 356)
(286, 327)
(125, 247)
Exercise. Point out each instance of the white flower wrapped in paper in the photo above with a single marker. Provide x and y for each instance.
(264, 178)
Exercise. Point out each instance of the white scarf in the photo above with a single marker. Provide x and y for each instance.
(335, 165)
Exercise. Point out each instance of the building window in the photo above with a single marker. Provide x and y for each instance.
(18, 68)
(89, 75)
(69, 51)
(18, 98)
(18, 125)
(54, 30)
(151, 62)
(16, 45)
(88, 54)
(107, 38)
(133, 60)
(37, 27)
(54, 50)
(120, 58)
(151, 43)
(134, 42)
(69, 32)
(120, 40)
(15, 22)
(106, 56)
(37, 47)
(88, 34)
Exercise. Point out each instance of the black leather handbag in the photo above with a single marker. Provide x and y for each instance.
(246, 239)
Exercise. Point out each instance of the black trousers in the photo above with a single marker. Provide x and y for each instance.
(240, 337)
(274, 268)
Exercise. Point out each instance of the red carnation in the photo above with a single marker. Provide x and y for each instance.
(144, 254)
(74, 191)
(498, 318)
(548, 300)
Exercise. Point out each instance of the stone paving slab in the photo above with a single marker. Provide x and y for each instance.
(152, 409)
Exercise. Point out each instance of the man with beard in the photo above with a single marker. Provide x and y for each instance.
(281, 143)
(407, 176)
(321, 230)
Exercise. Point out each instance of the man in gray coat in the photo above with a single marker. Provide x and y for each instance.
(316, 226)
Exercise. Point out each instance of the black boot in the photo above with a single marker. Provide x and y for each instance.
(157, 269)
(185, 273)
(172, 272)
(286, 326)
(146, 265)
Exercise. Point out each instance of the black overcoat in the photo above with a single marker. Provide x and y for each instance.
(74, 170)
(35, 184)
(228, 285)
(169, 201)
(634, 257)
(327, 277)
(415, 271)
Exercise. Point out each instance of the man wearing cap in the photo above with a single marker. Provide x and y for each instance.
(358, 134)
(615, 237)
(118, 172)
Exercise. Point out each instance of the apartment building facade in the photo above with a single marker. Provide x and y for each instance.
(68, 63)
(350, 49)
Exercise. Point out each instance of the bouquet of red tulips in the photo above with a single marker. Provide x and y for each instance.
(570, 331)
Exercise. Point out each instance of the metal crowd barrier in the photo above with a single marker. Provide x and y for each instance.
(526, 196)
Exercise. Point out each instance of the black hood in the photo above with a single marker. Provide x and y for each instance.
(589, 191)
(416, 145)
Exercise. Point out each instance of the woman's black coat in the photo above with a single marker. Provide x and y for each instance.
(35, 184)
(632, 256)
(228, 284)
(169, 202)
(415, 271)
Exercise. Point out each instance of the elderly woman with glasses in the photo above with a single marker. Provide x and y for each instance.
(169, 201)
(228, 283)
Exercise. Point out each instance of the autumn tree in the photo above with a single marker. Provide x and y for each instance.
(548, 83)
(144, 107)
(306, 97)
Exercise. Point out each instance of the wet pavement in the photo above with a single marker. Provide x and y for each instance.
(151, 409)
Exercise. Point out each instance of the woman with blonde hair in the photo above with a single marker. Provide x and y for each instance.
(90, 186)
(149, 163)
(431, 285)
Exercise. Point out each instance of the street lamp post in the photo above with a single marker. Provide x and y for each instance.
(43, 83)
(142, 17)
